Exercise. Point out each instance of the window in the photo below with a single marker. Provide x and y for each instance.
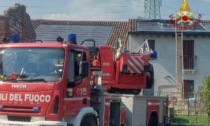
(151, 44)
(32, 63)
(188, 89)
(188, 54)
(74, 64)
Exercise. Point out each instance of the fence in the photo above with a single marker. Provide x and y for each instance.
(190, 111)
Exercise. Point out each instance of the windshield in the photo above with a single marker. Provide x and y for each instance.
(31, 64)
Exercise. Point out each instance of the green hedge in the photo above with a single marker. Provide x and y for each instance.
(190, 120)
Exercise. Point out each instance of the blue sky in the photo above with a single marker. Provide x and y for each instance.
(100, 9)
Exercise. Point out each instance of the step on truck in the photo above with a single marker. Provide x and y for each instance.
(69, 84)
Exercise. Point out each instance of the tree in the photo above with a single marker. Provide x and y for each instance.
(206, 93)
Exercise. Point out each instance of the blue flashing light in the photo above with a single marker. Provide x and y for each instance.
(1, 107)
(36, 108)
(15, 38)
(154, 55)
(72, 38)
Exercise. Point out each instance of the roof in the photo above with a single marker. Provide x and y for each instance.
(104, 32)
(39, 45)
(165, 27)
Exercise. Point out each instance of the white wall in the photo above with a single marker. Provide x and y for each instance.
(165, 65)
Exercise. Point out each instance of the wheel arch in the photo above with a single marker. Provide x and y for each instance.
(153, 115)
(90, 115)
(84, 112)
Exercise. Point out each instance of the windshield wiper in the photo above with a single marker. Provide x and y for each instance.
(10, 79)
(33, 80)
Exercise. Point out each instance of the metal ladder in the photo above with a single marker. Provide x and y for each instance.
(179, 60)
(144, 48)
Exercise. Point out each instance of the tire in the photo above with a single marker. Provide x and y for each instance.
(153, 121)
(150, 77)
(89, 121)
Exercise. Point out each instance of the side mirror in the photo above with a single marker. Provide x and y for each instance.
(83, 69)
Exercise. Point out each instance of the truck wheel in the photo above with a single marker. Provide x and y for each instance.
(89, 121)
(153, 121)
(150, 77)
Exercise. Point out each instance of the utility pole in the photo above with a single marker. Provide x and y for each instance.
(152, 9)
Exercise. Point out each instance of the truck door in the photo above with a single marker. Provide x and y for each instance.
(78, 86)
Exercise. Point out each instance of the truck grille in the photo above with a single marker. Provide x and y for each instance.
(19, 118)
(18, 109)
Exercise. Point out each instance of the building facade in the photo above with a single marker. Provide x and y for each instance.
(162, 38)
(15, 20)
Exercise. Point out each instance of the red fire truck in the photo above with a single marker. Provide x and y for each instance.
(65, 84)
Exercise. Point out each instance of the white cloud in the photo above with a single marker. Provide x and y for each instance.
(100, 10)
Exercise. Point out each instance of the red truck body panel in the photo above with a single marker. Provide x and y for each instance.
(124, 72)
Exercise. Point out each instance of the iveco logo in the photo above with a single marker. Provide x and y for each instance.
(18, 86)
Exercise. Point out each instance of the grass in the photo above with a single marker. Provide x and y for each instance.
(190, 120)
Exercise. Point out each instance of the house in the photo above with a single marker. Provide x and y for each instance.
(161, 35)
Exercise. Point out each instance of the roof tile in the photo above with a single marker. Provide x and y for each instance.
(120, 28)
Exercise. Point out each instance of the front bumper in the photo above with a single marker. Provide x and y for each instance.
(37, 123)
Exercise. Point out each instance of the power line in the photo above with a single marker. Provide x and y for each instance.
(26, 6)
(95, 12)
(118, 6)
(119, 11)
(201, 1)
(169, 7)
(178, 9)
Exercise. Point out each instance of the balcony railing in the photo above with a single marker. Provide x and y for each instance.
(189, 62)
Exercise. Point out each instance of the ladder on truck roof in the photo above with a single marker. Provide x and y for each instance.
(91, 44)
(144, 48)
